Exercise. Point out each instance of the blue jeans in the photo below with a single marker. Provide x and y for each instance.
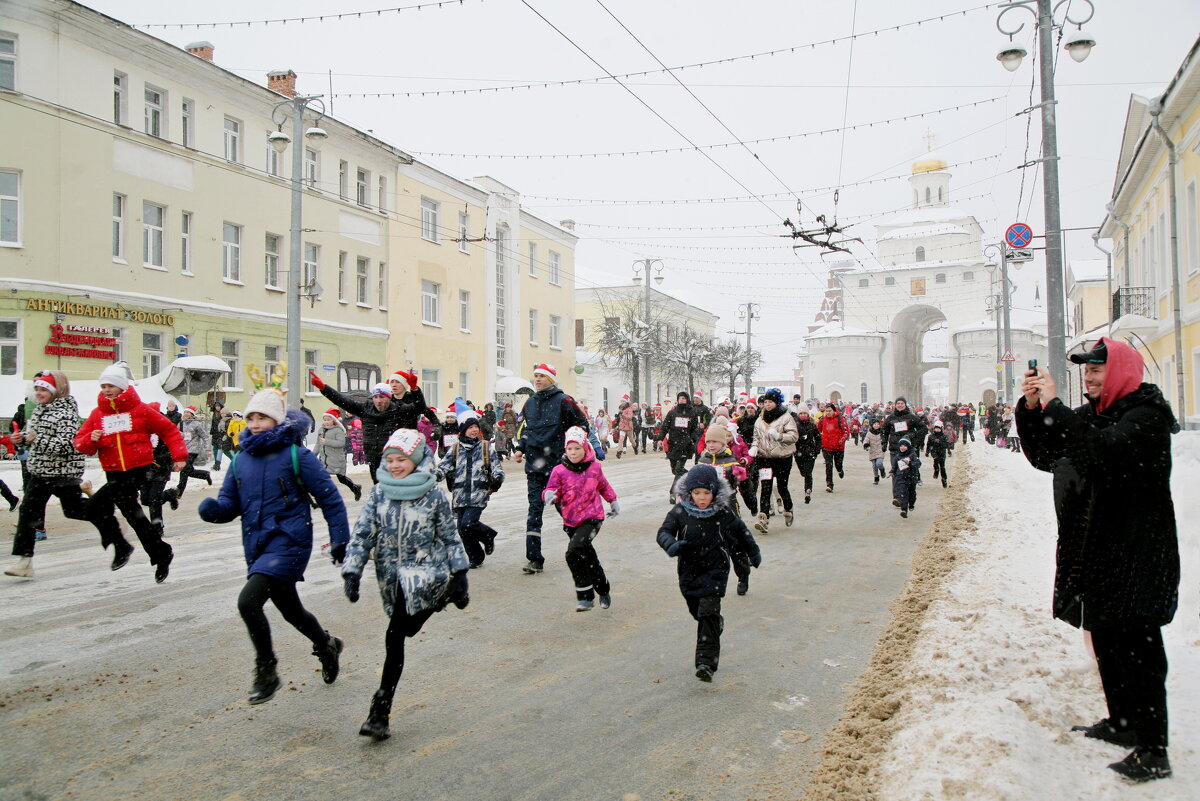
(535, 486)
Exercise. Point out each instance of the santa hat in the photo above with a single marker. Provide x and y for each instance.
(698, 394)
(45, 381)
(724, 401)
(407, 442)
(577, 435)
(547, 370)
(624, 399)
(937, 423)
(409, 379)
(268, 402)
(190, 410)
(336, 414)
(381, 389)
(115, 374)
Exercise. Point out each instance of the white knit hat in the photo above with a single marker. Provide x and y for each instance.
(116, 375)
(575, 434)
(268, 402)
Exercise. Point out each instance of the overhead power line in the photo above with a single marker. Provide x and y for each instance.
(332, 17)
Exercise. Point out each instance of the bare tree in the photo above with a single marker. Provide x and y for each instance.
(730, 362)
(624, 336)
(686, 357)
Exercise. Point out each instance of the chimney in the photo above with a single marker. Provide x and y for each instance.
(202, 50)
(282, 81)
(568, 224)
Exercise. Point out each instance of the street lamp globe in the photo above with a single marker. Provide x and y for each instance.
(637, 279)
(315, 137)
(1011, 56)
(279, 140)
(658, 279)
(1079, 45)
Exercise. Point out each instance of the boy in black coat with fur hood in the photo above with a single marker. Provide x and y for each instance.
(700, 530)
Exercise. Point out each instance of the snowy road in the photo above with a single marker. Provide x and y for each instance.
(114, 687)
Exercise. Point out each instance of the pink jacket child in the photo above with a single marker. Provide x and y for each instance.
(578, 487)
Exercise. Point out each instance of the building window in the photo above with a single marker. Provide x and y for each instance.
(344, 180)
(118, 227)
(928, 195)
(185, 242)
(429, 219)
(308, 269)
(188, 123)
(920, 253)
(464, 227)
(431, 303)
(383, 194)
(555, 272)
(383, 287)
(501, 309)
(940, 278)
(152, 353)
(533, 269)
(464, 385)
(270, 360)
(889, 281)
(356, 376)
(8, 62)
(312, 167)
(1191, 228)
(968, 275)
(118, 335)
(10, 347)
(271, 261)
(464, 310)
(533, 326)
(362, 187)
(312, 360)
(230, 351)
(155, 120)
(10, 207)
(233, 140)
(939, 194)
(231, 252)
(342, 256)
(361, 276)
(152, 235)
(429, 385)
(274, 160)
(555, 326)
(120, 103)
(864, 282)
(862, 392)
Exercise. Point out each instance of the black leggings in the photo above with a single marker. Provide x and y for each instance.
(401, 626)
(781, 468)
(38, 492)
(281, 592)
(189, 469)
(584, 563)
(121, 492)
(833, 461)
(345, 481)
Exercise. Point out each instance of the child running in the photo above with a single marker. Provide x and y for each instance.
(419, 561)
(718, 452)
(873, 445)
(904, 481)
(473, 471)
(575, 487)
(700, 530)
(269, 485)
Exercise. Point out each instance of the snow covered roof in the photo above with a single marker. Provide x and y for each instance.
(834, 330)
(921, 231)
(926, 214)
(1089, 269)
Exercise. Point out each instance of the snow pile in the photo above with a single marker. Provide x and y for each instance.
(996, 683)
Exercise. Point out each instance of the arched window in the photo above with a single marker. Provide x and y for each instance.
(862, 392)
(939, 194)
(928, 195)
(920, 253)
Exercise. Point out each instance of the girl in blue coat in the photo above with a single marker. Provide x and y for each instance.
(269, 485)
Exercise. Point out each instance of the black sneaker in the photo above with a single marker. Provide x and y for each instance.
(895, 502)
(743, 586)
(1143, 765)
(605, 601)
(903, 513)
(328, 654)
(532, 568)
(121, 553)
(266, 681)
(163, 568)
(171, 496)
(217, 467)
(704, 672)
(876, 479)
(357, 490)
(1104, 730)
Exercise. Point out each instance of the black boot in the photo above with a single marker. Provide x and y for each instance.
(266, 681)
(376, 724)
(328, 654)
(357, 490)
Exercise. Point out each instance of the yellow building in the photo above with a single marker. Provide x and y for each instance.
(1145, 306)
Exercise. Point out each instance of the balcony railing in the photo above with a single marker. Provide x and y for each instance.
(1138, 300)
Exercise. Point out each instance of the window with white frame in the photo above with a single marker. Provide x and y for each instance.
(231, 350)
(312, 167)
(312, 359)
(10, 347)
(383, 286)
(889, 281)
(362, 275)
(118, 227)
(429, 219)
(154, 111)
(464, 385)
(271, 261)
(864, 282)
(383, 194)
(533, 326)
(430, 380)
(431, 312)
(1164, 268)
(464, 310)
(10, 207)
(555, 268)
(341, 276)
(271, 359)
(968, 275)
(8, 62)
(939, 278)
(187, 123)
(362, 187)
(501, 297)
(153, 218)
(231, 252)
(274, 160)
(555, 327)
(308, 266)
(120, 98)
(533, 260)
(233, 140)
(464, 231)
(118, 335)
(344, 180)
(152, 353)
(1191, 228)
(185, 242)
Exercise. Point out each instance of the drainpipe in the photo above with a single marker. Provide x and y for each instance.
(1108, 274)
(1156, 108)
(1111, 209)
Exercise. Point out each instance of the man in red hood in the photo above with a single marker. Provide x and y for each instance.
(118, 430)
(1118, 555)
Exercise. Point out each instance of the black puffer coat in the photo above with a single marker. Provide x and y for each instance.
(1118, 555)
(378, 426)
(899, 425)
(809, 444)
(704, 562)
(681, 429)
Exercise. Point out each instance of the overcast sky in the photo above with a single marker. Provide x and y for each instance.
(939, 64)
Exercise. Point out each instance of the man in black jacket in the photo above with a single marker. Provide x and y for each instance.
(681, 430)
(899, 424)
(1118, 555)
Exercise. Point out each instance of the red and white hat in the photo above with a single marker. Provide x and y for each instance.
(45, 381)
(577, 435)
(336, 414)
(190, 410)
(698, 394)
(625, 398)
(547, 370)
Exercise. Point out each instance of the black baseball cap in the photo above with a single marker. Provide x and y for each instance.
(1097, 355)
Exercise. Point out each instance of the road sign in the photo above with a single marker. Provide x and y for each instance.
(1017, 256)
(1018, 235)
(1008, 356)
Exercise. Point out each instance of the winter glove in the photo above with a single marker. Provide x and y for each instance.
(458, 590)
(550, 496)
(350, 586)
(316, 381)
(753, 451)
(756, 560)
(209, 507)
(614, 508)
(411, 378)
(675, 547)
(338, 553)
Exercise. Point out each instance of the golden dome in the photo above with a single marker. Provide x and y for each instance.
(931, 164)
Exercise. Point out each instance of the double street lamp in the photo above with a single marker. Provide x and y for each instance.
(645, 268)
(312, 139)
(1078, 45)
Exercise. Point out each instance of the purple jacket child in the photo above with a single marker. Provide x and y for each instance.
(579, 488)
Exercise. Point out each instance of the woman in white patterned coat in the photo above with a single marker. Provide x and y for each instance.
(419, 560)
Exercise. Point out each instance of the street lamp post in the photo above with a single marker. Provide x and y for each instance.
(749, 312)
(1003, 303)
(642, 269)
(313, 138)
(1078, 46)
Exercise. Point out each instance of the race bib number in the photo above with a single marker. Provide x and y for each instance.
(116, 423)
(766, 474)
(450, 440)
(901, 427)
(681, 422)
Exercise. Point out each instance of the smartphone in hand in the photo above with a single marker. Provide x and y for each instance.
(1033, 368)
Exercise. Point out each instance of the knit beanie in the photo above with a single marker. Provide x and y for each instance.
(720, 411)
(702, 476)
(268, 402)
(717, 432)
(407, 442)
(577, 435)
(115, 374)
